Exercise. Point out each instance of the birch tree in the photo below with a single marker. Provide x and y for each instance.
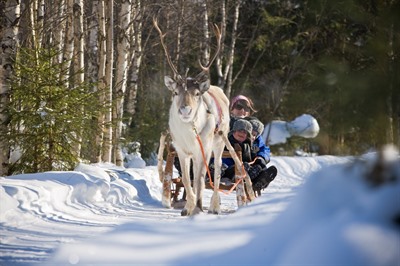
(101, 76)
(33, 5)
(57, 24)
(124, 21)
(68, 46)
(93, 41)
(206, 33)
(135, 59)
(79, 74)
(107, 138)
(10, 15)
(225, 74)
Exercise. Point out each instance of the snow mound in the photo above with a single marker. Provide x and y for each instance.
(305, 126)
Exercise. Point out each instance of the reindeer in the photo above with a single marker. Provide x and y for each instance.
(198, 119)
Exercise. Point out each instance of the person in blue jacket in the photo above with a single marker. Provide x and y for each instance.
(260, 154)
(255, 154)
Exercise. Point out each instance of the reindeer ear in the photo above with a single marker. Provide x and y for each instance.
(170, 83)
(204, 86)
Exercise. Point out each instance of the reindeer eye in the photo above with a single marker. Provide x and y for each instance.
(175, 93)
(197, 93)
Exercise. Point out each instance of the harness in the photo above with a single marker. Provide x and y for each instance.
(219, 112)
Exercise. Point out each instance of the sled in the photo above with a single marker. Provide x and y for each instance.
(172, 185)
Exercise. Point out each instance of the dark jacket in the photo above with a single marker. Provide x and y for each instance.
(246, 150)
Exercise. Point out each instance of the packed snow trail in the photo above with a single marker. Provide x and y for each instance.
(40, 212)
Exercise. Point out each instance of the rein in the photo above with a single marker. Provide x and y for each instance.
(208, 169)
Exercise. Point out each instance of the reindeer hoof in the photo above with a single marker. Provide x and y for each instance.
(197, 210)
(213, 212)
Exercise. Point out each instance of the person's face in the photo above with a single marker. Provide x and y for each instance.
(254, 135)
(240, 135)
(240, 110)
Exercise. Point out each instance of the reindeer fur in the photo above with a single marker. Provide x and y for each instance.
(202, 118)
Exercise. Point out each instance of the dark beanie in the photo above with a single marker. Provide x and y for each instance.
(257, 126)
(242, 124)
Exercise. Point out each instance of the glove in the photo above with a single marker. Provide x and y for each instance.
(260, 161)
(246, 166)
(254, 171)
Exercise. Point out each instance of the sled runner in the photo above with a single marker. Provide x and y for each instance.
(172, 185)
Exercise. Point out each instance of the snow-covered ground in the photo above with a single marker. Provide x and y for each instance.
(319, 211)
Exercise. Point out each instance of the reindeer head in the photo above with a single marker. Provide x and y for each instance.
(187, 91)
(187, 95)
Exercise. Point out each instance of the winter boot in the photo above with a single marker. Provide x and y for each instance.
(263, 180)
(254, 171)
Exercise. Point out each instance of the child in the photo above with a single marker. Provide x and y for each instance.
(240, 134)
(260, 174)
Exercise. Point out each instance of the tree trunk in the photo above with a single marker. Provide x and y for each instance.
(179, 27)
(220, 57)
(135, 59)
(229, 66)
(79, 73)
(68, 43)
(101, 78)
(124, 23)
(206, 34)
(9, 43)
(32, 19)
(40, 23)
(225, 74)
(107, 141)
(58, 26)
(93, 54)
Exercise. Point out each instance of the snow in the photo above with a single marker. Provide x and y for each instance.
(319, 211)
(305, 126)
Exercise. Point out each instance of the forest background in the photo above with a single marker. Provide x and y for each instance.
(80, 80)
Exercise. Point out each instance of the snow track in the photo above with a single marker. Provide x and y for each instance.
(38, 212)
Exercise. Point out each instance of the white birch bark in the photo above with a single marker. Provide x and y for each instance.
(79, 74)
(32, 20)
(107, 140)
(58, 28)
(124, 22)
(9, 44)
(231, 53)
(40, 23)
(219, 60)
(225, 73)
(135, 59)
(206, 34)
(92, 42)
(92, 65)
(179, 33)
(68, 42)
(101, 77)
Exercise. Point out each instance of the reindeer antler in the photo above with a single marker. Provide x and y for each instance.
(206, 68)
(176, 74)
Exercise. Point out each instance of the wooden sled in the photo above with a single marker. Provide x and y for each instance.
(172, 186)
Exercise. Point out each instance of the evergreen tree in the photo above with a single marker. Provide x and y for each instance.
(47, 118)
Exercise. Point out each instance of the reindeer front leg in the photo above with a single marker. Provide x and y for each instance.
(190, 197)
(199, 185)
(215, 199)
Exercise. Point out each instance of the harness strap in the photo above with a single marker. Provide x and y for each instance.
(219, 111)
(208, 169)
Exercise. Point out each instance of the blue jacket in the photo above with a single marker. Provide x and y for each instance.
(260, 149)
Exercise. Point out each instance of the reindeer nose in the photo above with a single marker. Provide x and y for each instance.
(185, 110)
